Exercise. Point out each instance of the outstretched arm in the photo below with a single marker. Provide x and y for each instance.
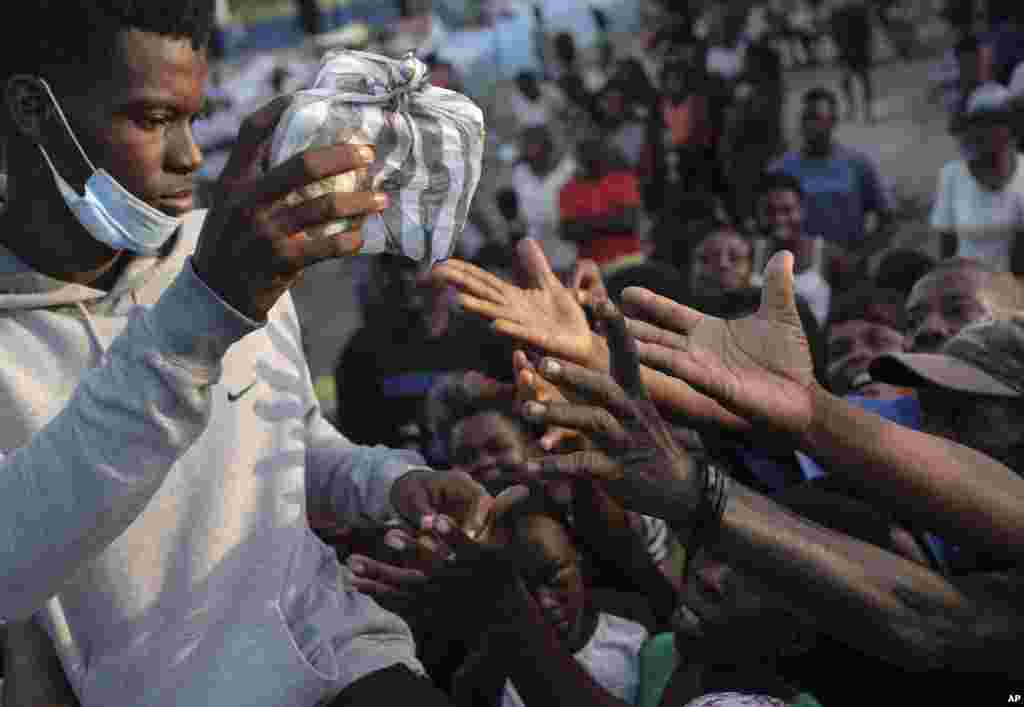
(876, 601)
(549, 317)
(756, 367)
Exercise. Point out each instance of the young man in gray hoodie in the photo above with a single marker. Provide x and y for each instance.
(161, 440)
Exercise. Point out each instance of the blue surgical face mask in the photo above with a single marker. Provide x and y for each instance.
(109, 212)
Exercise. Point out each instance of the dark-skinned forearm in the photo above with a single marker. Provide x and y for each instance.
(607, 534)
(956, 491)
(875, 601)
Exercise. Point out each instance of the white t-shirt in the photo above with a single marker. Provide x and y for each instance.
(611, 657)
(816, 292)
(538, 205)
(985, 222)
(812, 285)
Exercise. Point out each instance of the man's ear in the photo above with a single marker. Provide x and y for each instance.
(27, 105)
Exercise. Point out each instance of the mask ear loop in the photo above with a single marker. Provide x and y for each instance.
(67, 126)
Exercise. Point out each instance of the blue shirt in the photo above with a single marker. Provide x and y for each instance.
(840, 190)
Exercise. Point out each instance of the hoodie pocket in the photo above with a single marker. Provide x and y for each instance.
(248, 659)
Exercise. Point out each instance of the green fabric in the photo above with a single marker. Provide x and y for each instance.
(658, 660)
(805, 699)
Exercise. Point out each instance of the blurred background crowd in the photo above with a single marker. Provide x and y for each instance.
(675, 146)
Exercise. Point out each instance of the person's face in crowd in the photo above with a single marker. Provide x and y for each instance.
(135, 120)
(529, 87)
(943, 303)
(537, 148)
(988, 424)
(731, 616)
(782, 215)
(555, 577)
(486, 444)
(591, 158)
(817, 122)
(986, 140)
(852, 346)
(722, 263)
(614, 104)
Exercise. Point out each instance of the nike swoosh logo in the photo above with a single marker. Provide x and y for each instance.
(235, 397)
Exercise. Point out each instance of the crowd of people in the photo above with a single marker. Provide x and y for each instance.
(686, 430)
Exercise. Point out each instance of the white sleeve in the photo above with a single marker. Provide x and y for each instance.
(352, 482)
(85, 477)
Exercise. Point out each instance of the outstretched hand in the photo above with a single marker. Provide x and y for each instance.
(636, 459)
(549, 317)
(531, 386)
(254, 245)
(546, 315)
(448, 502)
(758, 367)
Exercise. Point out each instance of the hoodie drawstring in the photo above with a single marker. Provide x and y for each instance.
(90, 326)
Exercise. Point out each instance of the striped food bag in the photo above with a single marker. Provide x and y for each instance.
(429, 143)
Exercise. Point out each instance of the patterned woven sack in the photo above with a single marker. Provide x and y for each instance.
(429, 144)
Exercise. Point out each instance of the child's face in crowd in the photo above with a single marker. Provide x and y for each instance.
(555, 578)
(943, 303)
(722, 263)
(485, 444)
(853, 345)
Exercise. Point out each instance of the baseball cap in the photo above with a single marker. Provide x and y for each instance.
(983, 359)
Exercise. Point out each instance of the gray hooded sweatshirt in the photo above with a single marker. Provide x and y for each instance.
(160, 451)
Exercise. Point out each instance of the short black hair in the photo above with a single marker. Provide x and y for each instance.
(53, 36)
(565, 47)
(507, 201)
(871, 304)
(901, 268)
(450, 401)
(820, 93)
(777, 181)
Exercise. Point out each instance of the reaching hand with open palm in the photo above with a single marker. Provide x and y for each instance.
(545, 315)
(758, 367)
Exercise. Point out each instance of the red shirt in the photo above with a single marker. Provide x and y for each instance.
(584, 199)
